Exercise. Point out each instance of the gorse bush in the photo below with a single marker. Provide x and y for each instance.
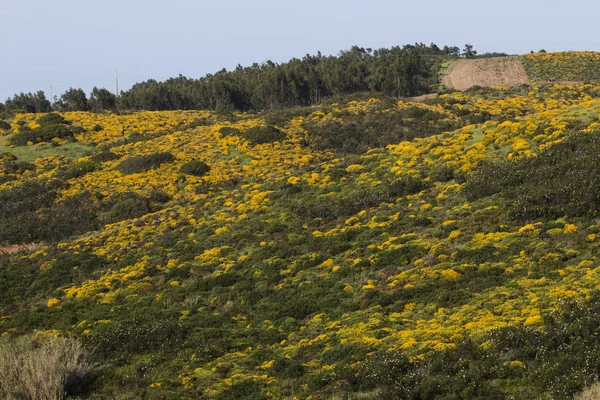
(568, 66)
(229, 131)
(52, 126)
(17, 167)
(5, 126)
(52, 119)
(124, 206)
(195, 167)
(42, 369)
(288, 271)
(138, 164)
(78, 170)
(104, 156)
(263, 134)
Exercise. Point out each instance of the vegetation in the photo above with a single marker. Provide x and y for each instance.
(555, 183)
(445, 252)
(557, 67)
(138, 164)
(409, 70)
(46, 129)
(45, 368)
(195, 167)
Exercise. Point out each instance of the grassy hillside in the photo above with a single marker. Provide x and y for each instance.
(370, 249)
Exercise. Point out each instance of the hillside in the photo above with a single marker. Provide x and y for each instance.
(373, 248)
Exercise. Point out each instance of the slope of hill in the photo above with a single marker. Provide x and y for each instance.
(573, 66)
(372, 248)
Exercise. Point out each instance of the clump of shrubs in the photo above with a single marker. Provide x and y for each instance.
(52, 119)
(521, 362)
(229, 131)
(361, 132)
(124, 206)
(17, 167)
(144, 163)
(104, 157)
(52, 126)
(562, 180)
(195, 168)
(264, 134)
(78, 170)
(349, 203)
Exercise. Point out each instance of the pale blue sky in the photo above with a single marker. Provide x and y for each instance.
(80, 43)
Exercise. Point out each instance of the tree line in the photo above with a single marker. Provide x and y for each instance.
(399, 71)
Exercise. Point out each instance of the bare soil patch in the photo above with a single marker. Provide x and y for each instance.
(486, 72)
(13, 248)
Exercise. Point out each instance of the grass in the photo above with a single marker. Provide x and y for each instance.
(31, 153)
(40, 369)
(591, 393)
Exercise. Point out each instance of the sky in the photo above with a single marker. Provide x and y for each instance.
(53, 45)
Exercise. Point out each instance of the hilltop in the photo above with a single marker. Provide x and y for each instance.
(567, 68)
(372, 247)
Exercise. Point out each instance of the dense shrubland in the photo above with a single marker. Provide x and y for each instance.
(197, 254)
(560, 181)
(580, 66)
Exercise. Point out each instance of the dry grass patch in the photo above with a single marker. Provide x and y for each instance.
(41, 369)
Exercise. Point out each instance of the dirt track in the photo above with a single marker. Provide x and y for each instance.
(11, 249)
(486, 72)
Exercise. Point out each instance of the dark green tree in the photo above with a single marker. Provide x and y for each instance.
(73, 100)
(29, 102)
(468, 51)
(102, 100)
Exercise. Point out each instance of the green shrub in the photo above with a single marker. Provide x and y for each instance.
(144, 163)
(52, 119)
(18, 167)
(263, 134)
(125, 206)
(229, 131)
(243, 390)
(5, 125)
(104, 157)
(78, 170)
(195, 167)
(52, 126)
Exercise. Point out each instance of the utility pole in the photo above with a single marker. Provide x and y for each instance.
(117, 82)
(51, 101)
